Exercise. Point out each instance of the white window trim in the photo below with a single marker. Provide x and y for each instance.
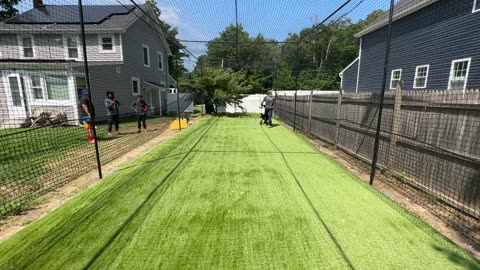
(138, 81)
(474, 5)
(20, 46)
(466, 75)
(160, 59)
(71, 102)
(65, 40)
(148, 55)
(114, 49)
(391, 78)
(416, 76)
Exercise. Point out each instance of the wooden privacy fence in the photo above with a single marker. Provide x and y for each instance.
(429, 139)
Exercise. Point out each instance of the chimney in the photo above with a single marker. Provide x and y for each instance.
(38, 3)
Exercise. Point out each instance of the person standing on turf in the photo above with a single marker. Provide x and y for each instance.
(269, 104)
(88, 112)
(113, 112)
(141, 108)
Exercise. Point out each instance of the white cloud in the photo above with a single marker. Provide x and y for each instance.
(171, 15)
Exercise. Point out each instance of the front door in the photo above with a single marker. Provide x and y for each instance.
(18, 104)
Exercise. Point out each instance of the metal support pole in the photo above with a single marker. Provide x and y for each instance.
(87, 79)
(178, 92)
(382, 96)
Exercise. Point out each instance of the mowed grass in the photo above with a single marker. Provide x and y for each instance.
(229, 194)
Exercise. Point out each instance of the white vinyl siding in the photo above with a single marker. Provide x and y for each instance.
(107, 43)
(421, 77)
(160, 60)
(476, 5)
(459, 74)
(146, 55)
(395, 78)
(135, 86)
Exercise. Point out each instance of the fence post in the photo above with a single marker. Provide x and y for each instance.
(397, 122)
(339, 117)
(295, 111)
(310, 112)
(285, 107)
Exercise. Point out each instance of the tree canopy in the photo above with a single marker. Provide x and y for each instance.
(309, 60)
(7, 9)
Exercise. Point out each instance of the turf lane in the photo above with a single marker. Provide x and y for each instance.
(221, 196)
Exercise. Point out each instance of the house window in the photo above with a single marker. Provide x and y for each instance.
(135, 86)
(72, 47)
(146, 55)
(396, 78)
(37, 87)
(476, 5)
(27, 47)
(421, 76)
(459, 74)
(57, 87)
(15, 91)
(160, 60)
(107, 43)
(81, 83)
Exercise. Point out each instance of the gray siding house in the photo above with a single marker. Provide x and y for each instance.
(435, 46)
(42, 68)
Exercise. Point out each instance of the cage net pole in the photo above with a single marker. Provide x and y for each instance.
(178, 89)
(87, 79)
(382, 95)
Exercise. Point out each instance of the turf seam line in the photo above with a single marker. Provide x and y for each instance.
(334, 239)
(253, 152)
(134, 214)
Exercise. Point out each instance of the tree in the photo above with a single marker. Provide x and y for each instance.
(8, 9)
(216, 87)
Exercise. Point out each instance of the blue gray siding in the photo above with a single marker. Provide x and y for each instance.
(436, 35)
(118, 77)
(349, 77)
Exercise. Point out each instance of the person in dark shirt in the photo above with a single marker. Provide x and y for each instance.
(88, 112)
(141, 108)
(269, 103)
(113, 112)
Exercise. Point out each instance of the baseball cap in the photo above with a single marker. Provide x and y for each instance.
(85, 91)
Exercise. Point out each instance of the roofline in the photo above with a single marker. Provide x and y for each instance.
(67, 23)
(396, 17)
(170, 77)
(154, 85)
(351, 64)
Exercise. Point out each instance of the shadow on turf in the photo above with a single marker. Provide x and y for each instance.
(457, 259)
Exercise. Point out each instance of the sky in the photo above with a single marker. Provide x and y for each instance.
(204, 19)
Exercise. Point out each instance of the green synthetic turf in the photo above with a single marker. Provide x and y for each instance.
(227, 193)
